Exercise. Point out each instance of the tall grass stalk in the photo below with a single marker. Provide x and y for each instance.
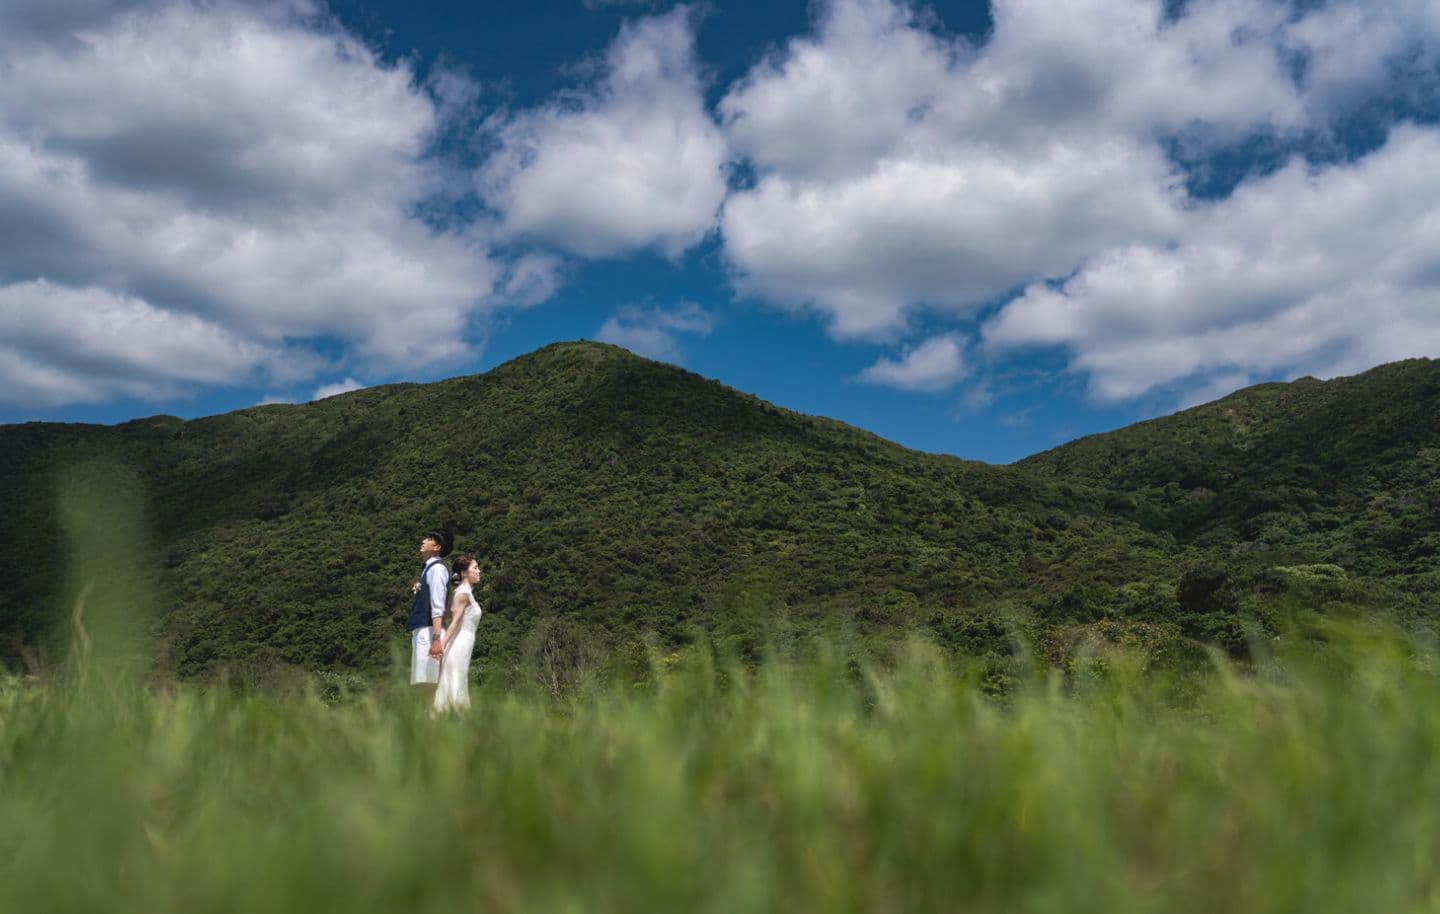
(1306, 785)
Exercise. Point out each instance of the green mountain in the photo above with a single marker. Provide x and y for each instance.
(1344, 471)
(614, 498)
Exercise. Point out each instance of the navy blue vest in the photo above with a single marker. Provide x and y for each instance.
(420, 607)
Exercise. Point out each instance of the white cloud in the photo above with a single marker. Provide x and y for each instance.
(636, 162)
(1306, 271)
(653, 332)
(531, 279)
(897, 170)
(337, 388)
(60, 345)
(1357, 51)
(950, 230)
(243, 178)
(836, 103)
(876, 83)
(935, 365)
(247, 166)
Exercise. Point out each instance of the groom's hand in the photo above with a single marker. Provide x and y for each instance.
(437, 648)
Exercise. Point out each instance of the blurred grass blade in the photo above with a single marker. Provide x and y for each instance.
(108, 572)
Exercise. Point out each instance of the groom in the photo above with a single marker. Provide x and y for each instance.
(426, 610)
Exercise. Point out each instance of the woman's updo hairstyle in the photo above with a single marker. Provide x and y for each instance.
(459, 565)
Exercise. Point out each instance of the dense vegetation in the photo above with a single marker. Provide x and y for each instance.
(622, 505)
(1345, 472)
(807, 784)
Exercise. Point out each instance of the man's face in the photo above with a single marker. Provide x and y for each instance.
(429, 547)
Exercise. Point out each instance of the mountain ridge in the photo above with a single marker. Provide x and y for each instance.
(1283, 462)
(618, 498)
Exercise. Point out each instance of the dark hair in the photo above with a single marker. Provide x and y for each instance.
(461, 564)
(442, 539)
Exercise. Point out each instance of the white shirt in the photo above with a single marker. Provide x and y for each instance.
(438, 579)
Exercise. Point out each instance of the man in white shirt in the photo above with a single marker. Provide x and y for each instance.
(427, 610)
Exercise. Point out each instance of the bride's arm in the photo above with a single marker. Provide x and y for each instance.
(457, 612)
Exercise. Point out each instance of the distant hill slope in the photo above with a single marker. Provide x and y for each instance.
(622, 493)
(625, 496)
(1347, 471)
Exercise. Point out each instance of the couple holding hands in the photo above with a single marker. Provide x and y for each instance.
(439, 655)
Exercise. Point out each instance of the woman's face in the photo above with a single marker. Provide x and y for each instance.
(472, 574)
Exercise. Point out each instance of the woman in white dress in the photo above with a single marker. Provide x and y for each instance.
(453, 692)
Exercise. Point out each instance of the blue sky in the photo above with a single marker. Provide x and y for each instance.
(979, 229)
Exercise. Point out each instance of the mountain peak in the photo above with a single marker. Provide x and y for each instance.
(624, 496)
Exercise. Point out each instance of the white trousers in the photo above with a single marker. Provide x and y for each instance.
(423, 668)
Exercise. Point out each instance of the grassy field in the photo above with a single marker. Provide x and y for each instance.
(1307, 784)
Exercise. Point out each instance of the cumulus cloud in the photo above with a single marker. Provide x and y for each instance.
(1354, 52)
(634, 163)
(1320, 271)
(898, 168)
(949, 231)
(935, 365)
(337, 388)
(654, 332)
(245, 166)
(245, 178)
(60, 345)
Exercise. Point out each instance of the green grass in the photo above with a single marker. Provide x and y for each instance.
(1307, 784)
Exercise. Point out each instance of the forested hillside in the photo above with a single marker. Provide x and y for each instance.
(1344, 471)
(614, 499)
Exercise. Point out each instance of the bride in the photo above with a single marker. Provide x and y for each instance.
(453, 692)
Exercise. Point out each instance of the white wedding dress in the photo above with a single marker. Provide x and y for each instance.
(453, 691)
